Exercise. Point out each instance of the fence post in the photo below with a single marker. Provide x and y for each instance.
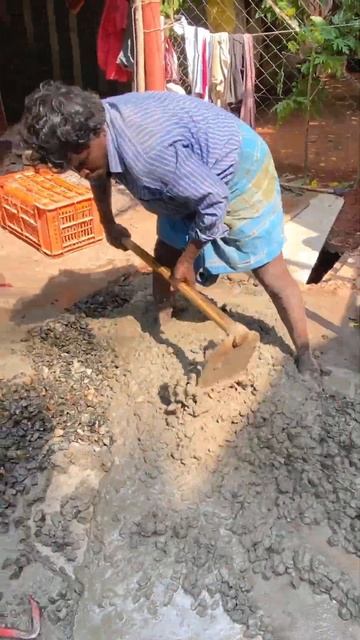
(76, 55)
(139, 52)
(3, 120)
(153, 46)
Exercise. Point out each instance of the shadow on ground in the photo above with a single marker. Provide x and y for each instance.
(82, 291)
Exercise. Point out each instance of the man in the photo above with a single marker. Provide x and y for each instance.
(207, 175)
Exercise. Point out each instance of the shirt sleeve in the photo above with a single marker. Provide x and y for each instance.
(185, 177)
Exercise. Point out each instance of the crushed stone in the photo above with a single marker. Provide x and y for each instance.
(205, 493)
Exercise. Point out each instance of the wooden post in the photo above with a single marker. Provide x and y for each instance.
(54, 41)
(28, 21)
(3, 120)
(153, 46)
(139, 49)
(75, 47)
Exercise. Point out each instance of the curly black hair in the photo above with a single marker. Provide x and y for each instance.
(59, 120)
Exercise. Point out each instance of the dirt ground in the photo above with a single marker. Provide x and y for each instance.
(334, 151)
(345, 233)
(137, 506)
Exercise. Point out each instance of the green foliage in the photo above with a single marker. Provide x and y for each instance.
(170, 8)
(290, 8)
(287, 107)
(298, 101)
(322, 46)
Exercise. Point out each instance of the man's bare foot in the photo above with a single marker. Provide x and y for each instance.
(307, 364)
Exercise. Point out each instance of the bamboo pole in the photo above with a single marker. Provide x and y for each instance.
(139, 49)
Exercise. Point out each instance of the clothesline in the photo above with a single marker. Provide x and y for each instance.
(356, 23)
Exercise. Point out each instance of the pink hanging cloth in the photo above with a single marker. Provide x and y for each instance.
(171, 62)
(205, 69)
(110, 40)
(248, 107)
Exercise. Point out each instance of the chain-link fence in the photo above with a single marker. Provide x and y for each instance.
(332, 131)
(276, 67)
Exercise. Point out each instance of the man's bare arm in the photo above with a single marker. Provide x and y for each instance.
(101, 189)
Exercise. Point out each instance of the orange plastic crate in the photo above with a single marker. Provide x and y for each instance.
(48, 212)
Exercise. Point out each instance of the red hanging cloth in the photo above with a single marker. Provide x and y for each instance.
(110, 39)
(75, 5)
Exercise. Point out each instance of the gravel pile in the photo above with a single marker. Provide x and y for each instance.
(25, 431)
(64, 401)
(106, 302)
(286, 472)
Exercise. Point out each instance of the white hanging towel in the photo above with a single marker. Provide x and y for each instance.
(202, 44)
(182, 28)
(197, 39)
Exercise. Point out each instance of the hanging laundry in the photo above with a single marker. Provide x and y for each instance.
(111, 34)
(206, 53)
(75, 5)
(248, 107)
(205, 71)
(197, 46)
(171, 62)
(202, 40)
(235, 85)
(182, 28)
(127, 55)
(220, 63)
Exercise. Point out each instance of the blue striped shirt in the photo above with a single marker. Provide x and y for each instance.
(176, 154)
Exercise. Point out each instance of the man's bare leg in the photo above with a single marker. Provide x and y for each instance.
(286, 296)
(167, 256)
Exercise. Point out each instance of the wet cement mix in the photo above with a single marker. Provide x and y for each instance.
(136, 506)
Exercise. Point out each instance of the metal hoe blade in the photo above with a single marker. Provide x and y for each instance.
(229, 359)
